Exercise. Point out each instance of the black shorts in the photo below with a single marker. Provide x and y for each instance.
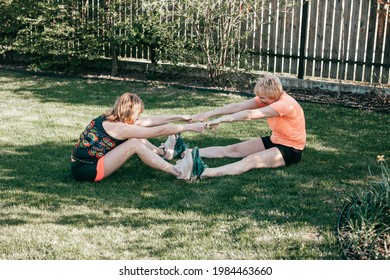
(290, 155)
(83, 171)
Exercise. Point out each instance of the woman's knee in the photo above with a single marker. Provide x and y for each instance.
(232, 151)
(134, 145)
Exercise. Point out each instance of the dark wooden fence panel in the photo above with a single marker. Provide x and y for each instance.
(328, 38)
(296, 26)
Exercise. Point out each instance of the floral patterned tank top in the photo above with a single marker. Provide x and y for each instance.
(94, 142)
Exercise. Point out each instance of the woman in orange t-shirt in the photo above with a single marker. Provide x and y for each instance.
(285, 118)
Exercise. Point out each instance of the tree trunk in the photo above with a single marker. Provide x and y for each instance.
(114, 66)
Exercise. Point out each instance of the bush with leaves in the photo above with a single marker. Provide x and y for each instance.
(56, 35)
(9, 23)
(157, 35)
(217, 30)
(364, 223)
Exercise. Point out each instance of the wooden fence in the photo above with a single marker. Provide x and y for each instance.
(335, 39)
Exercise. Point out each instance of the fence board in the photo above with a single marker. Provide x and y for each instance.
(280, 34)
(311, 36)
(287, 42)
(361, 48)
(370, 42)
(265, 40)
(354, 23)
(256, 48)
(381, 14)
(345, 39)
(328, 37)
(272, 37)
(386, 60)
(335, 55)
(321, 9)
(296, 37)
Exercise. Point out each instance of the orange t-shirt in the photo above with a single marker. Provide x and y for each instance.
(289, 128)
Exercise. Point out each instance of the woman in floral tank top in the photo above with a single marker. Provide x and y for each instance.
(112, 138)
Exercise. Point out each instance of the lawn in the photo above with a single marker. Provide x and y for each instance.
(141, 213)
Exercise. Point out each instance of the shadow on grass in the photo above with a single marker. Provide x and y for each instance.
(39, 177)
(100, 92)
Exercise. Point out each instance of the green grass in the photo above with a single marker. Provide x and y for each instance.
(141, 213)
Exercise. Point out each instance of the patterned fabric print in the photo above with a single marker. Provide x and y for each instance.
(96, 142)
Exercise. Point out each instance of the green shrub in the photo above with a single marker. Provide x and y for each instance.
(364, 222)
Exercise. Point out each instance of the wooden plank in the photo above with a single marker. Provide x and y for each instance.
(370, 41)
(264, 38)
(296, 37)
(272, 38)
(134, 8)
(381, 14)
(256, 40)
(245, 46)
(334, 66)
(386, 60)
(280, 37)
(122, 13)
(311, 37)
(250, 42)
(361, 47)
(128, 17)
(353, 43)
(344, 39)
(287, 40)
(328, 37)
(303, 40)
(319, 38)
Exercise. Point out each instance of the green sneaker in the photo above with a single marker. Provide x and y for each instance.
(180, 147)
(199, 166)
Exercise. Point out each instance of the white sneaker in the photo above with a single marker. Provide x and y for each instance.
(169, 147)
(185, 165)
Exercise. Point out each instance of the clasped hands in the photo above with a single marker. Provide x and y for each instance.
(202, 118)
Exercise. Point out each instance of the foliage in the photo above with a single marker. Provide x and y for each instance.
(220, 29)
(64, 32)
(206, 32)
(364, 225)
(55, 34)
(9, 23)
(152, 31)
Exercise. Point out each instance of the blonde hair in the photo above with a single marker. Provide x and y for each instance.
(126, 109)
(270, 86)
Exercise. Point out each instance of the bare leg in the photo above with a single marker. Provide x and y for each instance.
(118, 156)
(155, 149)
(239, 150)
(265, 159)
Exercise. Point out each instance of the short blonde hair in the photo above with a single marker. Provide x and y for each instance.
(269, 85)
(126, 109)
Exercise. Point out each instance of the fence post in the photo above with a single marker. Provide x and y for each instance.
(301, 66)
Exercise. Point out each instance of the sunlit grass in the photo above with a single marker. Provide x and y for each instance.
(141, 213)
